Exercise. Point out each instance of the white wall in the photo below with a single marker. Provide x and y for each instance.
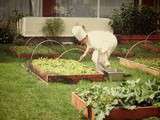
(32, 26)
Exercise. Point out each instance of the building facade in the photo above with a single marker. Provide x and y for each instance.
(68, 8)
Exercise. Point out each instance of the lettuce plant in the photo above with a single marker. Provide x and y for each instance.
(128, 94)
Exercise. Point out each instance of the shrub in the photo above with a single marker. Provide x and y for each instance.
(8, 27)
(5, 36)
(134, 20)
(53, 27)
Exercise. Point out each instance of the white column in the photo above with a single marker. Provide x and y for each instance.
(98, 8)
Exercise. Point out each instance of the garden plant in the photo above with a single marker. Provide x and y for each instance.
(24, 96)
(129, 95)
(134, 20)
(53, 27)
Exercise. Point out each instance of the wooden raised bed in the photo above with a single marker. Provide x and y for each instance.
(117, 113)
(72, 79)
(36, 55)
(135, 65)
(128, 38)
(151, 47)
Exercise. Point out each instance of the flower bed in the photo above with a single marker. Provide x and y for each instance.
(26, 52)
(143, 67)
(130, 100)
(62, 70)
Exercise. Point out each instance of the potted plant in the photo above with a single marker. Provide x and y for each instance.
(53, 27)
(134, 23)
(132, 99)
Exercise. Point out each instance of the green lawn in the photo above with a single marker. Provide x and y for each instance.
(24, 97)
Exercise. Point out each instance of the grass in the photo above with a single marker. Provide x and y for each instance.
(154, 62)
(137, 50)
(24, 97)
(43, 49)
(29, 49)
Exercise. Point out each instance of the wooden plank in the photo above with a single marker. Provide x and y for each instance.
(135, 65)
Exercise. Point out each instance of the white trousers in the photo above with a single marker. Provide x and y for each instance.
(101, 60)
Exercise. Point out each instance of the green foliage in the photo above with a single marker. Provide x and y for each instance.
(29, 49)
(13, 21)
(36, 100)
(53, 27)
(152, 118)
(16, 16)
(157, 44)
(62, 66)
(8, 28)
(5, 36)
(129, 94)
(134, 20)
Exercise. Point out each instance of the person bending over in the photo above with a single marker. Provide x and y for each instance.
(102, 42)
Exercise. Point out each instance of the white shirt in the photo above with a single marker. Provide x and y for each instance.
(102, 40)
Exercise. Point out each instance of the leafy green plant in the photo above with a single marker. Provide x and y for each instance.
(134, 20)
(53, 27)
(129, 94)
(13, 21)
(62, 66)
(5, 36)
(8, 27)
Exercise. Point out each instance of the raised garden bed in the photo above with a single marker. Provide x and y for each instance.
(152, 47)
(128, 100)
(61, 70)
(116, 114)
(26, 52)
(135, 65)
(128, 38)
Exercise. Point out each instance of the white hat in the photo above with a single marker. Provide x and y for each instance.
(79, 32)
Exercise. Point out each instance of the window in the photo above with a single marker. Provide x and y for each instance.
(77, 8)
(107, 6)
(87, 8)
